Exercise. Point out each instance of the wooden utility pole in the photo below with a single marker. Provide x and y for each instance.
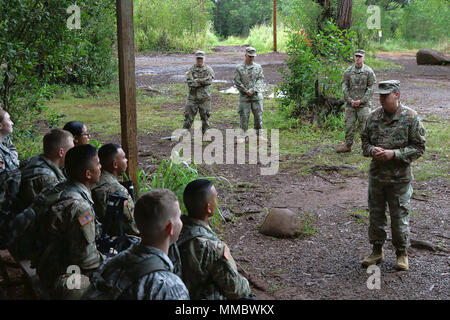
(274, 25)
(203, 6)
(127, 84)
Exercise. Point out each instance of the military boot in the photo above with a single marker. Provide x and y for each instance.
(343, 148)
(376, 257)
(402, 260)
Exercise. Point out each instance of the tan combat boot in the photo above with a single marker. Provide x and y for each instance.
(402, 260)
(343, 148)
(376, 257)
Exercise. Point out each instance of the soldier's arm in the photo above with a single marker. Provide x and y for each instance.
(372, 79)
(128, 212)
(208, 80)
(238, 83)
(225, 275)
(259, 83)
(190, 79)
(416, 147)
(366, 146)
(83, 249)
(345, 87)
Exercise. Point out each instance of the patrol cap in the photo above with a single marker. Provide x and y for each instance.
(250, 51)
(386, 87)
(360, 52)
(200, 54)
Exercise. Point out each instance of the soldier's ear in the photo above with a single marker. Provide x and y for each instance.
(115, 165)
(169, 228)
(61, 152)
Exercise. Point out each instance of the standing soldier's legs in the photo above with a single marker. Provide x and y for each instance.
(244, 113)
(350, 125)
(399, 208)
(257, 110)
(189, 113)
(205, 112)
(362, 114)
(377, 212)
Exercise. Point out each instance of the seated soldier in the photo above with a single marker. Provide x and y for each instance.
(144, 271)
(44, 170)
(79, 132)
(8, 153)
(209, 270)
(114, 163)
(67, 229)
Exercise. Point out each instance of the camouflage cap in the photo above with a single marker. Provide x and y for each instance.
(250, 51)
(360, 52)
(386, 87)
(200, 54)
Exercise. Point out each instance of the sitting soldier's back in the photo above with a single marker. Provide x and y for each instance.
(138, 273)
(107, 185)
(209, 270)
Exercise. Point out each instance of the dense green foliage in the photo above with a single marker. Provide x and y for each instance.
(172, 25)
(312, 58)
(38, 51)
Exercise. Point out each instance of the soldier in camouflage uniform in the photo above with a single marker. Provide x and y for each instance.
(209, 270)
(249, 80)
(394, 137)
(144, 271)
(199, 78)
(357, 85)
(8, 153)
(44, 170)
(67, 230)
(114, 163)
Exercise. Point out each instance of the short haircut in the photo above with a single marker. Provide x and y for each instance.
(196, 196)
(2, 115)
(79, 159)
(74, 127)
(153, 210)
(55, 139)
(107, 153)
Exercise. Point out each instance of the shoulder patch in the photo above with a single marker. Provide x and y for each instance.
(86, 218)
(422, 131)
(226, 252)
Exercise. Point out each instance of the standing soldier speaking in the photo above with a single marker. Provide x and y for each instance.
(249, 80)
(394, 137)
(357, 85)
(199, 78)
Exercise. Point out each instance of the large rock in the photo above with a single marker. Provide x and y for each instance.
(428, 56)
(280, 223)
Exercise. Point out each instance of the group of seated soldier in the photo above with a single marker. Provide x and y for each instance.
(62, 204)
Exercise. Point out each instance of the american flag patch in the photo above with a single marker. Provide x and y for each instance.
(226, 252)
(86, 218)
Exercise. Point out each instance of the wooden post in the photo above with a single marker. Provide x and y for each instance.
(203, 6)
(127, 84)
(274, 25)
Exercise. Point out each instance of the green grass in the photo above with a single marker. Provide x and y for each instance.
(410, 46)
(361, 215)
(307, 222)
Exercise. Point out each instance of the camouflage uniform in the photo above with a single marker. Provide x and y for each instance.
(199, 80)
(209, 270)
(66, 233)
(357, 84)
(9, 159)
(109, 184)
(38, 174)
(138, 273)
(390, 181)
(250, 77)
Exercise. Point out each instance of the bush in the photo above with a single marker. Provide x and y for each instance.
(314, 59)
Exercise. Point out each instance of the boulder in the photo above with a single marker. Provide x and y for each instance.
(428, 56)
(280, 223)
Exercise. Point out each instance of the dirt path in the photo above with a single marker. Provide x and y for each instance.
(326, 265)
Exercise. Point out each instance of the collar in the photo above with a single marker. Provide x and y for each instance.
(395, 116)
(84, 190)
(142, 250)
(52, 166)
(197, 222)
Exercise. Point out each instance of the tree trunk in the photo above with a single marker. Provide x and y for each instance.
(345, 14)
